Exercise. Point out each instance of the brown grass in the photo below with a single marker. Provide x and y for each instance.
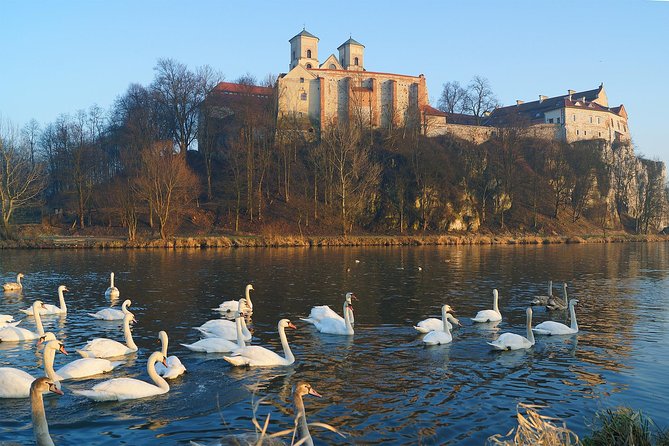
(535, 429)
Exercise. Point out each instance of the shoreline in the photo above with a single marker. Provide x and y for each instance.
(259, 241)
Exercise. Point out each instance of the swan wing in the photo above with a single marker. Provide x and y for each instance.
(255, 355)
(428, 325)
(9, 324)
(218, 323)
(437, 338)
(84, 367)
(174, 368)
(552, 328)
(323, 311)
(120, 389)
(104, 348)
(14, 383)
(487, 316)
(332, 326)
(16, 334)
(4, 318)
(108, 314)
(212, 345)
(511, 341)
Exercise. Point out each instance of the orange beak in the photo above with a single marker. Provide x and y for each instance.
(314, 393)
(55, 389)
(164, 361)
(62, 350)
(290, 325)
(40, 341)
(354, 297)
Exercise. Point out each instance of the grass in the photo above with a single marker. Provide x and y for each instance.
(535, 429)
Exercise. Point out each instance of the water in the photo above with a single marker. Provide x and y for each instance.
(382, 385)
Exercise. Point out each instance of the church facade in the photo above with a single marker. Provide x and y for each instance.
(314, 94)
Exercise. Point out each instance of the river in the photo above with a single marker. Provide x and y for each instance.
(380, 386)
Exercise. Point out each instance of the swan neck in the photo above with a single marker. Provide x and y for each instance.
(38, 321)
(240, 334)
(572, 313)
(550, 288)
(301, 420)
(61, 298)
(495, 303)
(284, 343)
(444, 317)
(157, 379)
(347, 318)
(530, 333)
(49, 358)
(248, 297)
(112, 280)
(128, 334)
(40, 425)
(18, 280)
(164, 341)
(564, 292)
(245, 329)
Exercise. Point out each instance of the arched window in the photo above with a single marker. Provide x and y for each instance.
(355, 61)
(308, 54)
(332, 66)
(303, 96)
(308, 65)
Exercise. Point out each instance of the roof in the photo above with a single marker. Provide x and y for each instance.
(242, 89)
(351, 41)
(429, 110)
(304, 33)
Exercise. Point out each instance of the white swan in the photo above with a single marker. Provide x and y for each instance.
(322, 312)
(14, 286)
(79, 368)
(112, 314)
(174, 366)
(256, 356)
(512, 341)
(49, 308)
(556, 328)
(220, 345)
(231, 306)
(40, 425)
(331, 322)
(301, 389)
(112, 292)
(18, 334)
(442, 336)
(108, 348)
(490, 315)
(555, 303)
(543, 300)
(7, 320)
(223, 328)
(15, 383)
(434, 324)
(120, 389)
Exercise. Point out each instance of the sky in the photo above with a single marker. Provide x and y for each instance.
(58, 57)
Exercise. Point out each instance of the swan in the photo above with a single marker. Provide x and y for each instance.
(301, 389)
(256, 356)
(543, 300)
(490, 315)
(7, 320)
(15, 383)
(555, 303)
(112, 314)
(120, 389)
(174, 366)
(223, 328)
(512, 341)
(432, 324)
(335, 324)
(40, 425)
(112, 292)
(49, 308)
(556, 328)
(230, 306)
(108, 348)
(442, 336)
(220, 345)
(79, 368)
(14, 286)
(325, 312)
(18, 334)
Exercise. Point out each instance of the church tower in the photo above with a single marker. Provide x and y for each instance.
(351, 55)
(304, 50)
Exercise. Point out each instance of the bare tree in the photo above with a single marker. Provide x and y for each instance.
(452, 98)
(166, 183)
(21, 181)
(479, 98)
(30, 137)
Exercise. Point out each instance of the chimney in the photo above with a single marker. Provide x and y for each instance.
(570, 92)
(518, 102)
(542, 98)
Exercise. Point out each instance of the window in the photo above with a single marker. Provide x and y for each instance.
(332, 66)
(600, 134)
(550, 121)
(308, 65)
(574, 116)
(558, 120)
(293, 55)
(301, 80)
(585, 132)
(308, 54)
(590, 119)
(625, 128)
(303, 96)
(599, 121)
(355, 61)
(577, 132)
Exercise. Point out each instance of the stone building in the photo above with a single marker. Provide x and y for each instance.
(315, 94)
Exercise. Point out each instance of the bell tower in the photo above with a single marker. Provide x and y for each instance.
(352, 55)
(304, 50)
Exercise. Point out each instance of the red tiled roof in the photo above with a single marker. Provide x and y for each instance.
(229, 87)
(429, 110)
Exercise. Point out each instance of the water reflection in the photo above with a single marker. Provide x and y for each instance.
(382, 386)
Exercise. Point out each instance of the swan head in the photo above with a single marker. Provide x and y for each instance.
(249, 287)
(285, 323)
(495, 293)
(573, 302)
(528, 312)
(44, 384)
(125, 305)
(304, 388)
(448, 309)
(158, 357)
(38, 305)
(162, 336)
(56, 345)
(130, 318)
(20, 276)
(46, 337)
(350, 296)
(62, 288)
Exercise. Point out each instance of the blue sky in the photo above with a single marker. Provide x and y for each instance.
(62, 56)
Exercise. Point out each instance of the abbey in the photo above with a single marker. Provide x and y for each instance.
(339, 90)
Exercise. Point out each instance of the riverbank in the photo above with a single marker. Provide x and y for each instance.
(259, 241)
